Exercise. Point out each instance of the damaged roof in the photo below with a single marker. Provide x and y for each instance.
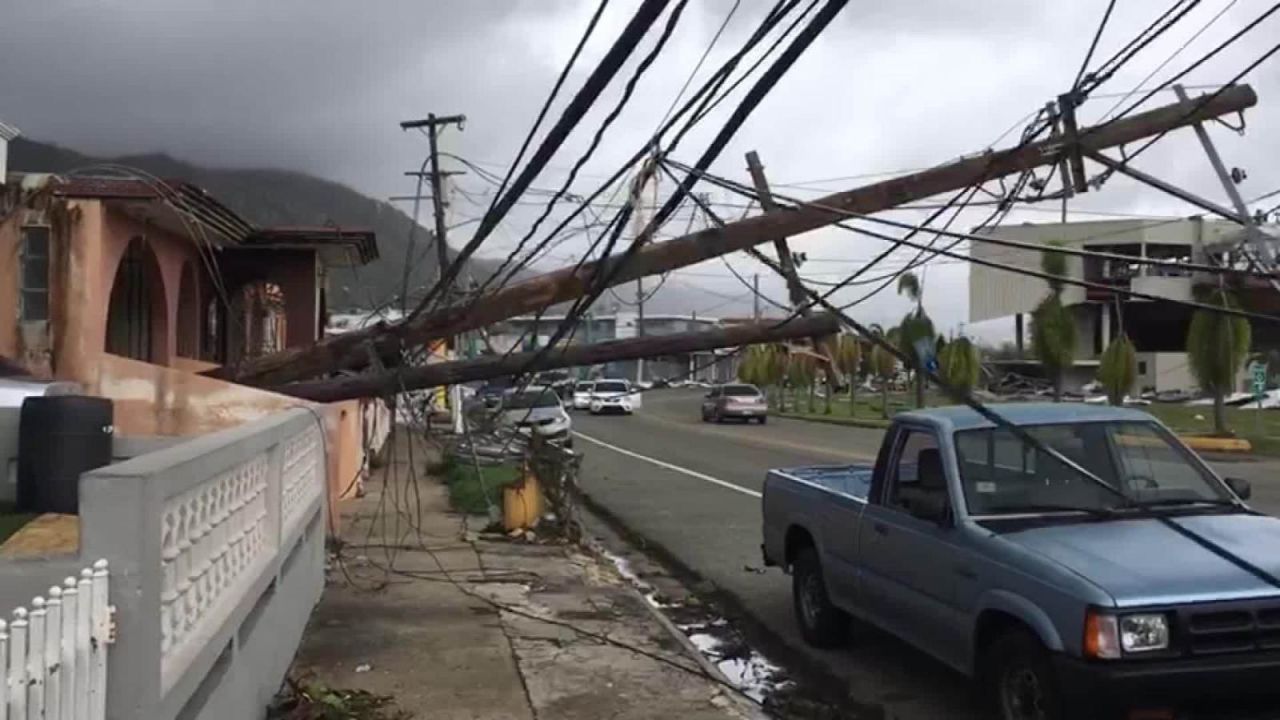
(233, 229)
(319, 237)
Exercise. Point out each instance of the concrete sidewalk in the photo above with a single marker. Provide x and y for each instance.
(453, 627)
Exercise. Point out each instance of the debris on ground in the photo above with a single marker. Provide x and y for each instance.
(315, 701)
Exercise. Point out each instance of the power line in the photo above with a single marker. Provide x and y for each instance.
(546, 106)
(643, 18)
(1167, 60)
(606, 271)
(1203, 59)
(672, 20)
(711, 85)
(1111, 5)
(698, 66)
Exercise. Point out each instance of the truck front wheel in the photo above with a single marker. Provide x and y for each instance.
(1022, 681)
(822, 624)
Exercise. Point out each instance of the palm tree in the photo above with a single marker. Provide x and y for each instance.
(959, 364)
(884, 364)
(848, 358)
(1053, 330)
(915, 328)
(1217, 345)
(1118, 369)
(800, 375)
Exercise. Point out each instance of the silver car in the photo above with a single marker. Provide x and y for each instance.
(538, 409)
(740, 401)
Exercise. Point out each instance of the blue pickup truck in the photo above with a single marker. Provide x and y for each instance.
(1076, 560)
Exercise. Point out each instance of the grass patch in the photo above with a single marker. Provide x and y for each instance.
(1261, 429)
(467, 489)
(11, 520)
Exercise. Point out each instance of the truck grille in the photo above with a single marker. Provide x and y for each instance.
(1241, 627)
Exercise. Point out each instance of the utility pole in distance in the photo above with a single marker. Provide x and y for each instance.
(433, 125)
(755, 297)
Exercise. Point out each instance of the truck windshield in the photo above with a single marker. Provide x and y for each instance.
(1002, 474)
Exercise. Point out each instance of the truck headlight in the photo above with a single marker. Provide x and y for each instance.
(1144, 633)
(1108, 637)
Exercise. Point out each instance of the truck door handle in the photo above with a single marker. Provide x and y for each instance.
(880, 528)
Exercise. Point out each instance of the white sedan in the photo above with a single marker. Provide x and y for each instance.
(615, 396)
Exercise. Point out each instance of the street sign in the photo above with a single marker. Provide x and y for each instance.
(1258, 378)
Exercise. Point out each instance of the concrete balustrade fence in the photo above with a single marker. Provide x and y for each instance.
(216, 553)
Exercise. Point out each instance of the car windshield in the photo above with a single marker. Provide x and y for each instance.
(1002, 474)
(741, 391)
(583, 387)
(611, 386)
(533, 399)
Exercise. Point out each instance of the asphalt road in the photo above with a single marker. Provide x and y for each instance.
(693, 489)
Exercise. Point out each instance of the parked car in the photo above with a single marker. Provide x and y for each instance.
(1144, 585)
(538, 409)
(581, 398)
(741, 401)
(613, 396)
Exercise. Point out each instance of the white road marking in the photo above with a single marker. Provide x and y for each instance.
(669, 466)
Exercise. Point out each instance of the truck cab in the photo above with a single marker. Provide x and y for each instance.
(1139, 581)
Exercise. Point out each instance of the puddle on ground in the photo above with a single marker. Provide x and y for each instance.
(717, 639)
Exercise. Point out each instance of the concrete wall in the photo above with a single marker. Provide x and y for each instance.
(216, 548)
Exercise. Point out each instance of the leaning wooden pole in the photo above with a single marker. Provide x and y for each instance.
(450, 373)
(351, 350)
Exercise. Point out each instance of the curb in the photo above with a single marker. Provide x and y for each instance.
(846, 422)
(750, 709)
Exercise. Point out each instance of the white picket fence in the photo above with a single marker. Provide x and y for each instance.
(53, 657)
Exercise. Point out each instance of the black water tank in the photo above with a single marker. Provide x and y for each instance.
(59, 437)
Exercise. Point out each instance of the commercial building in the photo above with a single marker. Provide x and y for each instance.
(1157, 327)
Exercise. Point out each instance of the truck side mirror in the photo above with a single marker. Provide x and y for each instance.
(1240, 487)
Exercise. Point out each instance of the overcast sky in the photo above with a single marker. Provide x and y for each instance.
(320, 86)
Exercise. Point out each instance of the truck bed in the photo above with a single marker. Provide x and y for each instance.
(853, 481)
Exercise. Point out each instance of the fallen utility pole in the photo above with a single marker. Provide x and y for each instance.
(451, 373)
(349, 351)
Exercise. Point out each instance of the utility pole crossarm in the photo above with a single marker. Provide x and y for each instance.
(346, 351)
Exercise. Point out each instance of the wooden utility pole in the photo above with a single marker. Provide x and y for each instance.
(433, 124)
(647, 173)
(755, 297)
(350, 350)
(452, 373)
(794, 290)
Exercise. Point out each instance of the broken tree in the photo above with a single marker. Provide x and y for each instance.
(390, 382)
(352, 350)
